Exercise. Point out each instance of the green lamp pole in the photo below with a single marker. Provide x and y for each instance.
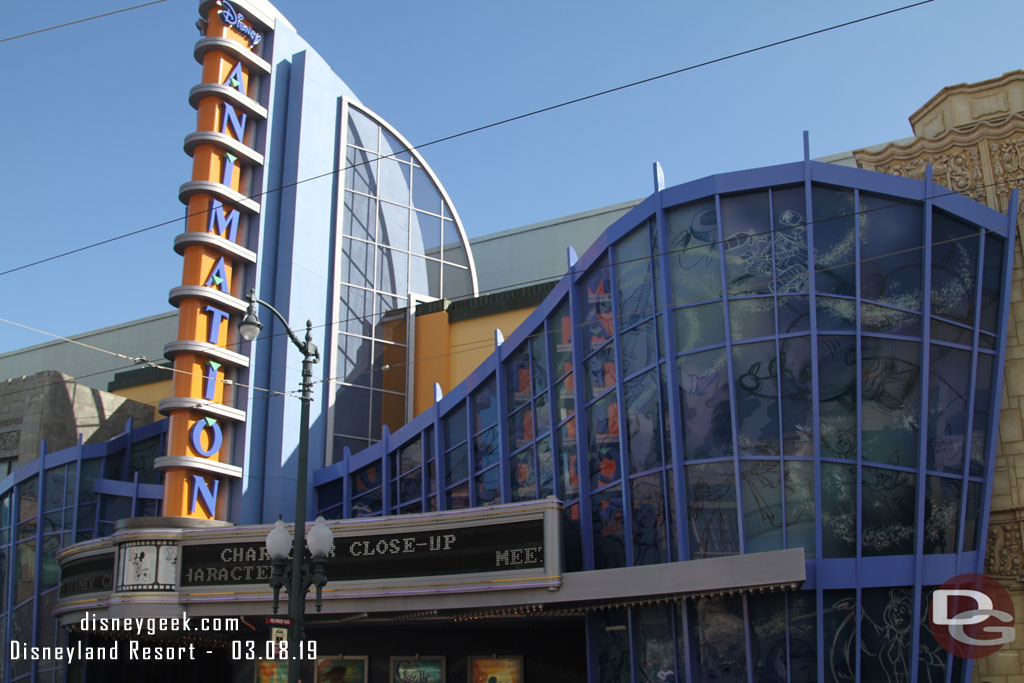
(298, 578)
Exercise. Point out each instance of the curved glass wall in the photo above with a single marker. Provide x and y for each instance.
(756, 363)
(402, 243)
(59, 499)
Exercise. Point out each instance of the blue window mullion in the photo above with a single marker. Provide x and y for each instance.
(730, 373)
(501, 387)
(36, 580)
(815, 413)
(922, 455)
(627, 512)
(438, 452)
(582, 428)
(682, 540)
(386, 474)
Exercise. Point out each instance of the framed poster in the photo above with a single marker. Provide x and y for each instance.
(271, 671)
(416, 669)
(342, 669)
(491, 669)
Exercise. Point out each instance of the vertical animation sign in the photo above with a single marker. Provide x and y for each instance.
(220, 223)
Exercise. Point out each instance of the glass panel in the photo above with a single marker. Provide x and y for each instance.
(635, 277)
(411, 486)
(838, 621)
(357, 310)
(886, 630)
(796, 378)
(880, 319)
(609, 539)
(600, 371)
(393, 271)
(354, 359)
(752, 318)
(839, 509)
(485, 404)
(972, 517)
(837, 392)
(887, 527)
(890, 251)
(28, 498)
(454, 424)
(486, 449)
(24, 570)
(768, 637)
(361, 175)
(704, 397)
(699, 326)
(391, 147)
(565, 399)
(538, 361)
(365, 479)
(425, 235)
(639, 348)
(748, 243)
(517, 378)
(955, 334)
(54, 488)
(424, 276)
(456, 465)
(453, 250)
(757, 398)
(488, 487)
(524, 477)
(542, 413)
(803, 636)
(567, 460)
(457, 283)
(762, 505)
(597, 306)
(948, 400)
(799, 478)
(932, 658)
(656, 651)
(836, 314)
(424, 195)
(50, 571)
(650, 540)
(711, 510)
(361, 130)
(794, 314)
(410, 456)
(612, 633)
(789, 211)
(358, 219)
(890, 400)
(352, 412)
(520, 429)
(560, 326)
(991, 283)
(834, 256)
(941, 514)
(603, 420)
(693, 254)
(722, 650)
(458, 497)
(394, 184)
(643, 423)
(954, 268)
(546, 467)
(985, 377)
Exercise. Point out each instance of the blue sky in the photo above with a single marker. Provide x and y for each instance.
(94, 115)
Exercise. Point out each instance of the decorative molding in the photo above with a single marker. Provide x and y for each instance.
(196, 463)
(176, 348)
(1005, 556)
(218, 190)
(223, 141)
(168, 405)
(233, 49)
(228, 94)
(205, 239)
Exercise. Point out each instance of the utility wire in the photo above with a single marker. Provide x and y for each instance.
(477, 129)
(80, 21)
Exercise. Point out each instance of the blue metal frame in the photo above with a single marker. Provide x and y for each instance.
(850, 573)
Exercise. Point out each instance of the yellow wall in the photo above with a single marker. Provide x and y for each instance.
(148, 393)
(447, 352)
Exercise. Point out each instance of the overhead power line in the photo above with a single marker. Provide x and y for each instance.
(487, 126)
(80, 21)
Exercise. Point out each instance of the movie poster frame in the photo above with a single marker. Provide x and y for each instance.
(518, 659)
(365, 659)
(393, 660)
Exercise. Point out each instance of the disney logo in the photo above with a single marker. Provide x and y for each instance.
(233, 19)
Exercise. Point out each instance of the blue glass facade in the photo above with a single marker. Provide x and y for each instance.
(59, 499)
(805, 356)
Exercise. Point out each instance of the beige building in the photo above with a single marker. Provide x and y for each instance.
(972, 134)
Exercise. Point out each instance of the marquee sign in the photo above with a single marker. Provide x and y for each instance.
(87, 575)
(221, 224)
(467, 550)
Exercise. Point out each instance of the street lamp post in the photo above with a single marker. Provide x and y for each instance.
(297, 577)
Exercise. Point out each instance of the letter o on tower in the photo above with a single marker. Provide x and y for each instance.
(196, 437)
